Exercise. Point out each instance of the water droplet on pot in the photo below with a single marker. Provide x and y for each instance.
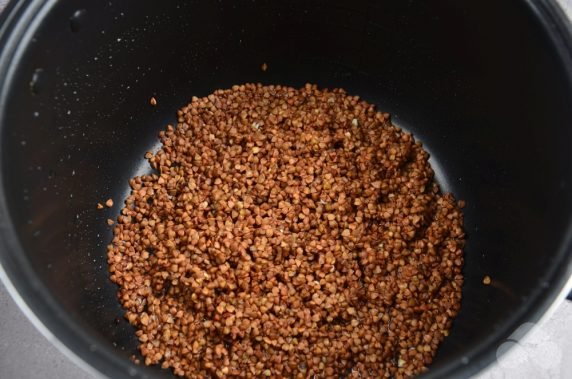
(76, 20)
(35, 83)
(36, 114)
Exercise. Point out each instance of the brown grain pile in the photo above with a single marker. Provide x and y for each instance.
(288, 233)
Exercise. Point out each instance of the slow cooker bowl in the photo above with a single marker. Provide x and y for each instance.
(485, 85)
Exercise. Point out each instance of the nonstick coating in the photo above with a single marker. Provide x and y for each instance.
(485, 85)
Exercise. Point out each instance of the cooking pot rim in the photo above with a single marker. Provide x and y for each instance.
(17, 25)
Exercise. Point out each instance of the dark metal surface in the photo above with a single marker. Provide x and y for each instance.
(75, 125)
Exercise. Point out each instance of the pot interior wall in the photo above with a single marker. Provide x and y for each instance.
(477, 81)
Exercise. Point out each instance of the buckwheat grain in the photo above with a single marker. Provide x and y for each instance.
(288, 233)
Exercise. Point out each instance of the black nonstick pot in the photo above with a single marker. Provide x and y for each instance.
(486, 85)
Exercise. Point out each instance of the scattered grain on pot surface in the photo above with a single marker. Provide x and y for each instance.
(109, 203)
(153, 101)
(487, 280)
(99, 206)
(264, 67)
(288, 233)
